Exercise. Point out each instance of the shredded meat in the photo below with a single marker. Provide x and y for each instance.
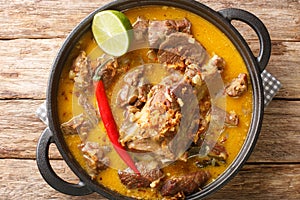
(81, 73)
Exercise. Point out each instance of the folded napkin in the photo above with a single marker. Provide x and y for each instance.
(270, 83)
(271, 86)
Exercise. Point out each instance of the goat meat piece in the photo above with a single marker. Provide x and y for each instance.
(181, 47)
(95, 155)
(238, 86)
(108, 72)
(140, 29)
(159, 30)
(218, 152)
(79, 124)
(186, 184)
(127, 95)
(232, 119)
(82, 74)
(149, 173)
(215, 65)
(135, 90)
(151, 128)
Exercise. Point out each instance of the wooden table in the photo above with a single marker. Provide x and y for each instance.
(31, 34)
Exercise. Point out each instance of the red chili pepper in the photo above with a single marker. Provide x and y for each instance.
(110, 125)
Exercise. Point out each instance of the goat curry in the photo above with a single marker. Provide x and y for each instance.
(162, 103)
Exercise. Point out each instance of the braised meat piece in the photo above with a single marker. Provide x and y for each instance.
(95, 156)
(135, 90)
(77, 125)
(219, 152)
(192, 75)
(181, 49)
(238, 86)
(215, 156)
(232, 119)
(185, 184)
(81, 72)
(159, 30)
(140, 29)
(214, 66)
(156, 123)
(229, 118)
(107, 71)
(149, 176)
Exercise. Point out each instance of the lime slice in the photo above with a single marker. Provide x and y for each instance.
(112, 31)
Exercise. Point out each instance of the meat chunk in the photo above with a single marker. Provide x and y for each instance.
(81, 72)
(149, 176)
(95, 156)
(159, 30)
(214, 66)
(215, 156)
(77, 125)
(192, 75)
(185, 184)
(238, 86)
(140, 29)
(181, 49)
(135, 90)
(107, 71)
(232, 119)
(219, 152)
(155, 124)
(127, 95)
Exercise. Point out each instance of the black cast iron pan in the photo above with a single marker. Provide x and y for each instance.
(221, 19)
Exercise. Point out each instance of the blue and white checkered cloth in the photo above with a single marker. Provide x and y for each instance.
(270, 83)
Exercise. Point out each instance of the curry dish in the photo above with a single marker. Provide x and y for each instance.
(165, 102)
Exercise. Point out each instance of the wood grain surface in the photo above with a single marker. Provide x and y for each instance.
(31, 33)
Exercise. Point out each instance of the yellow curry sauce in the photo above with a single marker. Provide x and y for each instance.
(215, 42)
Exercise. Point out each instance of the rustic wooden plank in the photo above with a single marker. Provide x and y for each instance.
(20, 129)
(43, 19)
(26, 63)
(25, 66)
(50, 18)
(284, 64)
(282, 18)
(278, 142)
(21, 180)
(263, 182)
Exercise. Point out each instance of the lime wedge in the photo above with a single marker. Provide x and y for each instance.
(112, 31)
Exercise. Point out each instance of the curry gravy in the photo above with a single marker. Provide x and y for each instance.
(215, 42)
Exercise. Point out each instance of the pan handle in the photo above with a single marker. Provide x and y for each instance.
(260, 29)
(49, 175)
